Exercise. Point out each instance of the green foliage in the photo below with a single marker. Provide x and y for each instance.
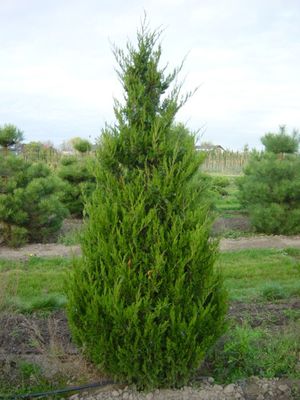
(29, 377)
(30, 209)
(248, 273)
(270, 191)
(14, 236)
(81, 145)
(43, 302)
(145, 301)
(79, 180)
(273, 291)
(70, 238)
(246, 352)
(10, 135)
(219, 184)
(281, 142)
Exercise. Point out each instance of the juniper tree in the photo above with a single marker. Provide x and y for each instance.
(145, 301)
(270, 187)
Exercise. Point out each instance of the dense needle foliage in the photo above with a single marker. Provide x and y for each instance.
(270, 187)
(76, 172)
(30, 209)
(10, 136)
(145, 301)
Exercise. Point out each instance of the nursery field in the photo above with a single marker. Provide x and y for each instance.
(263, 338)
(263, 335)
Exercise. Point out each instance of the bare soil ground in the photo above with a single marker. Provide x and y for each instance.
(60, 250)
(237, 223)
(46, 342)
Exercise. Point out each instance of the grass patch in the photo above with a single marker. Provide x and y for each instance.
(33, 285)
(246, 352)
(273, 291)
(70, 238)
(293, 315)
(251, 274)
(229, 201)
(30, 379)
(235, 234)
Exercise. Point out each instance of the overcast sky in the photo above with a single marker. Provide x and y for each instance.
(57, 77)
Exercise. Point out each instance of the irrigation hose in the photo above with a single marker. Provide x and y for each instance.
(58, 391)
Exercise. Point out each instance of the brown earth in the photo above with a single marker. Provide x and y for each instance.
(46, 341)
(237, 224)
(60, 250)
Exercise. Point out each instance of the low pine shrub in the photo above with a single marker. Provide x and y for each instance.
(30, 209)
(270, 187)
(76, 172)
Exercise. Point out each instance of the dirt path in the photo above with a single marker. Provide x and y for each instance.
(59, 250)
(259, 242)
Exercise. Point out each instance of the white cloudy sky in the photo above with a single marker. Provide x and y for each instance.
(57, 77)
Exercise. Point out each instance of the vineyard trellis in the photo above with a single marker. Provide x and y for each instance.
(226, 162)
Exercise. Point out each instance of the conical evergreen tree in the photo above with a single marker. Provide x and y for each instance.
(145, 301)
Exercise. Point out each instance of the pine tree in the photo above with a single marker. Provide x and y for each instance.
(270, 187)
(10, 136)
(145, 301)
(30, 209)
(281, 142)
(79, 182)
(81, 145)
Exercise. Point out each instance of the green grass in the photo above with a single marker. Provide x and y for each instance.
(229, 202)
(257, 275)
(249, 274)
(70, 238)
(247, 351)
(36, 284)
(30, 379)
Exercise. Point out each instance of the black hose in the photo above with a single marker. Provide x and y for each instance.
(58, 391)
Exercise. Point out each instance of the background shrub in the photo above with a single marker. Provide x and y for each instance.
(281, 142)
(10, 136)
(30, 209)
(81, 145)
(76, 172)
(270, 188)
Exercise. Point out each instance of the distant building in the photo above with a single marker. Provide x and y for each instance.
(209, 147)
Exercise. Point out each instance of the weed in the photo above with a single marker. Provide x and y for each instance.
(273, 291)
(33, 285)
(245, 352)
(293, 315)
(28, 370)
(247, 274)
(70, 238)
(235, 234)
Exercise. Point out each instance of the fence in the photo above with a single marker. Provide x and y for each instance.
(227, 162)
